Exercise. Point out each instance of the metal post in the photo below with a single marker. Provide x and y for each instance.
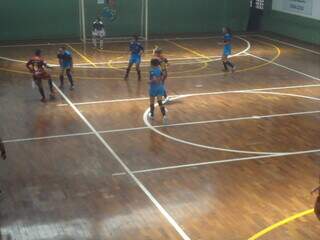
(142, 18)
(146, 19)
(80, 20)
(83, 21)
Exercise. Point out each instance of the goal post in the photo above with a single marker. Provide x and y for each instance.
(82, 23)
(122, 18)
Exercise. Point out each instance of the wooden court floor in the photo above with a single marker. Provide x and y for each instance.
(239, 154)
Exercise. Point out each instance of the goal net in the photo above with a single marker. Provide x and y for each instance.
(122, 18)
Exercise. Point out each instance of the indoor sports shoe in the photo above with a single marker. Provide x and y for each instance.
(150, 116)
(71, 88)
(166, 101)
(233, 69)
(165, 120)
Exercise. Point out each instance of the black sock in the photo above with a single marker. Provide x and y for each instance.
(139, 74)
(50, 85)
(163, 110)
(165, 94)
(152, 109)
(225, 66)
(127, 72)
(61, 80)
(229, 64)
(42, 92)
(70, 78)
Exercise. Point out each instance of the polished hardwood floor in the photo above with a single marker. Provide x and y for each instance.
(240, 151)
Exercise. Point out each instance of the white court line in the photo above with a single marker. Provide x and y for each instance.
(107, 101)
(169, 218)
(86, 66)
(193, 94)
(210, 59)
(179, 140)
(286, 43)
(285, 67)
(256, 117)
(232, 160)
(46, 137)
(115, 40)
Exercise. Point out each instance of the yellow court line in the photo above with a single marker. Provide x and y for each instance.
(109, 64)
(181, 77)
(281, 223)
(205, 64)
(188, 49)
(81, 55)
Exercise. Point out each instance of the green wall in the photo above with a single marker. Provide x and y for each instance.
(301, 28)
(59, 19)
(184, 16)
(38, 19)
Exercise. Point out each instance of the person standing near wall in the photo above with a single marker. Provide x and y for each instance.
(98, 32)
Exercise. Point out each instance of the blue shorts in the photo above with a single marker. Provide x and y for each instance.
(156, 90)
(66, 66)
(226, 50)
(135, 58)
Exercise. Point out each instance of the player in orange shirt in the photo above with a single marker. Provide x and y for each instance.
(36, 66)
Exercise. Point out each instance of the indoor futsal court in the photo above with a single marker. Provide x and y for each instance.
(233, 152)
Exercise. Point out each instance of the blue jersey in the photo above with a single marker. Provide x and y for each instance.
(135, 48)
(227, 39)
(155, 72)
(156, 85)
(65, 59)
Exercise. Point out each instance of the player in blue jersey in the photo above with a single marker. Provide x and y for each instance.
(66, 65)
(156, 89)
(136, 49)
(227, 48)
(158, 54)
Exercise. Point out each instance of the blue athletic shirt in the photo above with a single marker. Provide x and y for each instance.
(65, 58)
(227, 38)
(155, 72)
(135, 48)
